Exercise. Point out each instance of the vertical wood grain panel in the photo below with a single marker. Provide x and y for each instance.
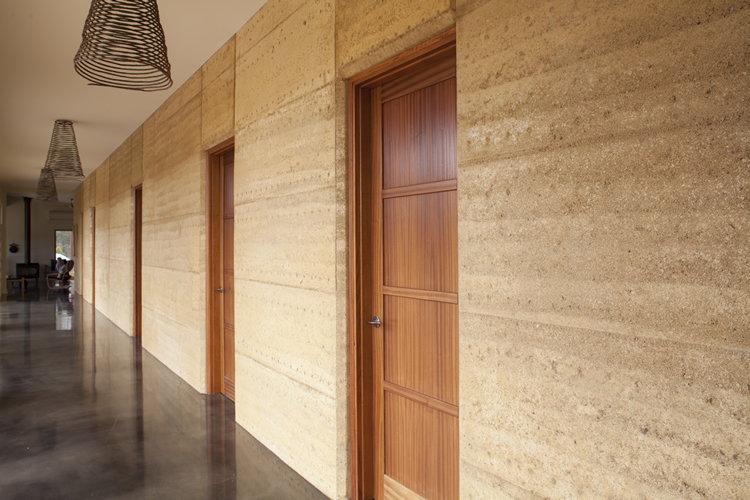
(419, 136)
(421, 448)
(421, 242)
(229, 358)
(229, 299)
(229, 249)
(228, 160)
(421, 346)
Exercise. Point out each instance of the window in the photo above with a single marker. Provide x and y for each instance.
(64, 244)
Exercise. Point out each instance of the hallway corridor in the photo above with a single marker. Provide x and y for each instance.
(85, 413)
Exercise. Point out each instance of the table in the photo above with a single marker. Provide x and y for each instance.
(10, 281)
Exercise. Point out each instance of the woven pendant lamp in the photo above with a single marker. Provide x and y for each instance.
(62, 156)
(123, 46)
(46, 190)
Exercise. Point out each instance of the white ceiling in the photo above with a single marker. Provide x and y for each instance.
(38, 40)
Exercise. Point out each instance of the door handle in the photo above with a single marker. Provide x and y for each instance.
(375, 321)
(220, 290)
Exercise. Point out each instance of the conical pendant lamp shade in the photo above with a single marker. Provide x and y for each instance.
(62, 156)
(46, 189)
(123, 46)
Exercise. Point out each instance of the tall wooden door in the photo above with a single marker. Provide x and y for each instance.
(138, 260)
(93, 256)
(227, 167)
(415, 281)
(220, 275)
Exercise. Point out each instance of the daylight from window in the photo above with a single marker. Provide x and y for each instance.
(63, 247)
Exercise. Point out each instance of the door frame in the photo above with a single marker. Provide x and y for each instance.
(365, 454)
(214, 326)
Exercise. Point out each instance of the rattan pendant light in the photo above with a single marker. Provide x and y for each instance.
(123, 46)
(62, 156)
(46, 190)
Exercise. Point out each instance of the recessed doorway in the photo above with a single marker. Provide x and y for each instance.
(404, 276)
(220, 270)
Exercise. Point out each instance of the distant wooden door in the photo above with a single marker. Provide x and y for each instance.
(93, 256)
(138, 258)
(220, 260)
(227, 164)
(415, 280)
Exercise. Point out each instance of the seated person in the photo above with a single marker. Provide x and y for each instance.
(61, 270)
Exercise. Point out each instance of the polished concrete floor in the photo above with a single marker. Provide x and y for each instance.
(86, 413)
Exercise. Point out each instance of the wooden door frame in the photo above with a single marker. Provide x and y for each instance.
(365, 455)
(138, 262)
(214, 328)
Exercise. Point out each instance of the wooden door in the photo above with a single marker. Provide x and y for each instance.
(138, 258)
(220, 266)
(93, 256)
(227, 167)
(415, 285)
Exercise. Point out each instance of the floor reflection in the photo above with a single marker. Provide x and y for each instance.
(85, 412)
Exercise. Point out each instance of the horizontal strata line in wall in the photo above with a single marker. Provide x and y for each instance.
(285, 375)
(598, 140)
(508, 316)
(237, 52)
(421, 398)
(280, 109)
(427, 188)
(294, 287)
(180, 270)
(495, 478)
(189, 215)
(263, 199)
(168, 319)
(413, 293)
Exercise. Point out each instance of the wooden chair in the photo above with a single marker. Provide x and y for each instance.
(55, 283)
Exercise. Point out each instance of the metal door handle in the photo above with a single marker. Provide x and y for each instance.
(220, 290)
(375, 321)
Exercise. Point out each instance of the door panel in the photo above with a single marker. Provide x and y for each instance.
(423, 448)
(420, 235)
(419, 136)
(228, 183)
(228, 250)
(421, 347)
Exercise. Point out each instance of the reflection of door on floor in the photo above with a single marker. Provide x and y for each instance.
(221, 261)
(414, 234)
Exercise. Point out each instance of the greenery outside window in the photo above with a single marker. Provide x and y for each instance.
(64, 244)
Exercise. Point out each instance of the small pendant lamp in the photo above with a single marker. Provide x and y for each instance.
(123, 46)
(46, 189)
(62, 156)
